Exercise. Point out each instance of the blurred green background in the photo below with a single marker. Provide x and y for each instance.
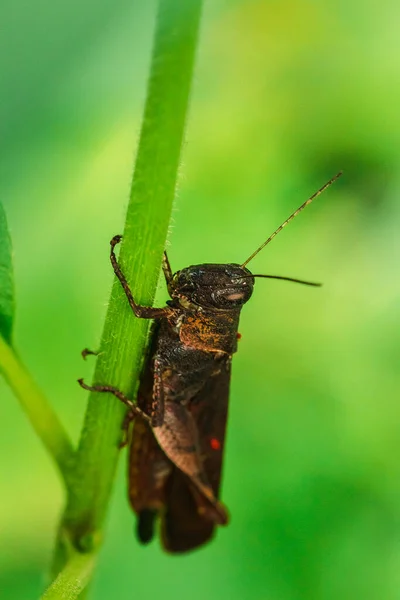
(287, 92)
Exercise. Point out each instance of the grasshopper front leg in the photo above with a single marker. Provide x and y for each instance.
(142, 312)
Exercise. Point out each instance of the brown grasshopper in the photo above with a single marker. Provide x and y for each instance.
(176, 448)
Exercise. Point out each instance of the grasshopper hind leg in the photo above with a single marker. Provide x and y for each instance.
(145, 525)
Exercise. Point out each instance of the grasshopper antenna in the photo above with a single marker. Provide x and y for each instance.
(294, 280)
(292, 216)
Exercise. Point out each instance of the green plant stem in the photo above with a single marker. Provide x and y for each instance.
(145, 232)
(73, 579)
(44, 420)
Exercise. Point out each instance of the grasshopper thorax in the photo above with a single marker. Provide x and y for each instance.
(212, 286)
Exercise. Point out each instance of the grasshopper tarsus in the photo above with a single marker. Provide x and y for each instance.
(115, 240)
(87, 352)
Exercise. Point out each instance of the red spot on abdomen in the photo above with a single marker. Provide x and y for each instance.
(238, 336)
(215, 444)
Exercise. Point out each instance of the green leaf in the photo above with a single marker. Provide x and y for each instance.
(6, 280)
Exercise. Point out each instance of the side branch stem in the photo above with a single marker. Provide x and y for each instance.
(40, 413)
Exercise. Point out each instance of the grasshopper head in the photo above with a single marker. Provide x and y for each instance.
(222, 287)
